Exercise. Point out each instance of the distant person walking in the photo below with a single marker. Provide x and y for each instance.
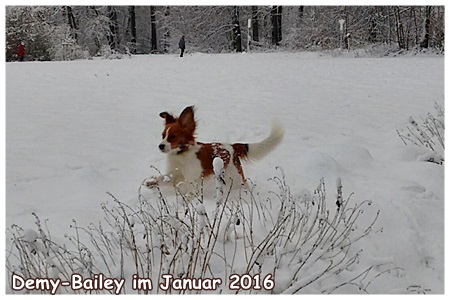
(182, 45)
(21, 51)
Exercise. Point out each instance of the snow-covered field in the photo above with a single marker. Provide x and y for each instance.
(76, 130)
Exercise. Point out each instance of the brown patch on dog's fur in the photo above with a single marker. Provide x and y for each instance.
(208, 152)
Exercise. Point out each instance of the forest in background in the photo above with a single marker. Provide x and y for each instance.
(83, 32)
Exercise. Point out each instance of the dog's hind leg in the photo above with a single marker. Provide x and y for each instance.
(238, 165)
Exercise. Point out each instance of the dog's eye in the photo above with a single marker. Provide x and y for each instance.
(171, 137)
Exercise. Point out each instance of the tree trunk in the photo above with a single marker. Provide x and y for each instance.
(166, 43)
(301, 11)
(372, 15)
(416, 31)
(280, 37)
(255, 26)
(71, 22)
(132, 28)
(399, 28)
(153, 29)
(426, 37)
(439, 27)
(276, 25)
(96, 39)
(114, 29)
(372, 32)
(237, 40)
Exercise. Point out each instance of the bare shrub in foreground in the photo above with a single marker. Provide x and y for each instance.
(283, 243)
(430, 134)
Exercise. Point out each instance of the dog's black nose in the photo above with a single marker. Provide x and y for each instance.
(161, 147)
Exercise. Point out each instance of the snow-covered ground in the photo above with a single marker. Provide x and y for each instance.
(76, 130)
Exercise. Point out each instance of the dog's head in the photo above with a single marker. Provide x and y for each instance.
(178, 133)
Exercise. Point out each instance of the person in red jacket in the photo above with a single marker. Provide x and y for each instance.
(21, 51)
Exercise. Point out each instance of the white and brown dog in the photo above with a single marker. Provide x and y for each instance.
(189, 161)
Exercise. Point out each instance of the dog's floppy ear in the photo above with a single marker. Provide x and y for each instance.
(186, 118)
(168, 117)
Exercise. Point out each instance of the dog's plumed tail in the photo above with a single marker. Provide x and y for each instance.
(257, 151)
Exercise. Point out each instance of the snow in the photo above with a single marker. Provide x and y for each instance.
(217, 166)
(77, 130)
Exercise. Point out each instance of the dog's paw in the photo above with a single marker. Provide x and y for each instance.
(155, 181)
(151, 183)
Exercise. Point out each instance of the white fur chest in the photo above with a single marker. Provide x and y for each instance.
(184, 166)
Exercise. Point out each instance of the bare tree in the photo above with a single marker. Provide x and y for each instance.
(426, 37)
(166, 29)
(71, 22)
(301, 10)
(237, 39)
(438, 29)
(132, 24)
(114, 28)
(399, 28)
(255, 25)
(276, 25)
(153, 28)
